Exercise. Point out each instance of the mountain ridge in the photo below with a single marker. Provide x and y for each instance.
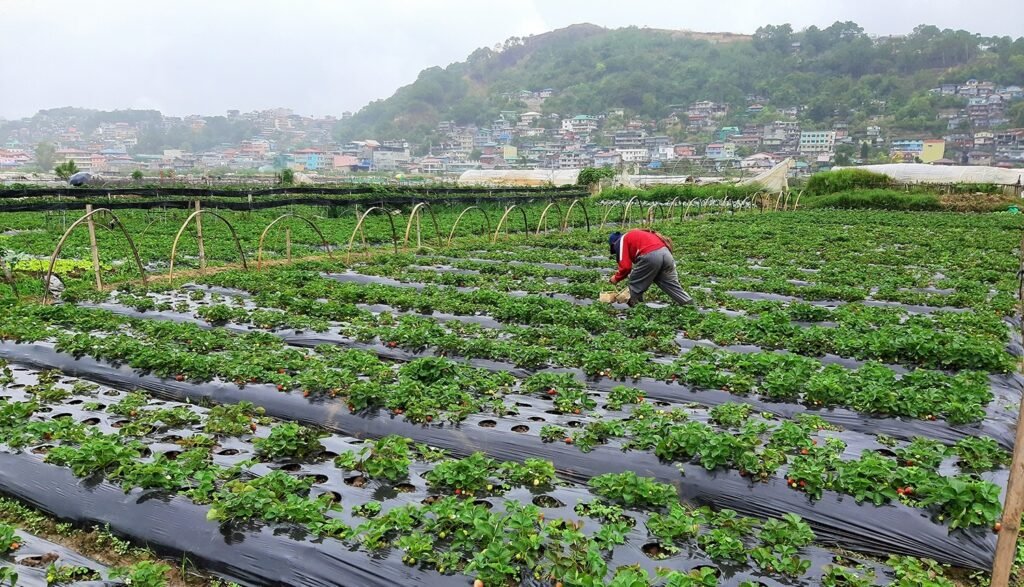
(833, 73)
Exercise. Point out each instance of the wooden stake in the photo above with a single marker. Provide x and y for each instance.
(95, 249)
(199, 238)
(1006, 544)
(288, 244)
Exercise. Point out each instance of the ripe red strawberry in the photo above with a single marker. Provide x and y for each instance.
(179, 377)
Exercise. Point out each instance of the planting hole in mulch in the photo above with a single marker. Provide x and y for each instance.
(91, 421)
(355, 481)
(574, 424)
(171, 439)
(405, 488)
(291, 467)
(536, 419)
(227, 452)
(483, 503)
(328, 454)
(546, 501)
(334, 495)
(37, 560)
(42, 449)
(714, 569)
(317, 479)
(521, 428)
(172, 454)
(654, 550)
(61, 415)
(488, 424)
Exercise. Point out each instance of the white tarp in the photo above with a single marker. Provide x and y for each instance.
(924, 173)
(775, 180)
(519, 177)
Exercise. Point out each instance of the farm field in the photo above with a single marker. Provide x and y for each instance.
(838, 409)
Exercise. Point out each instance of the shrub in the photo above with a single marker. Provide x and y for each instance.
(874, 199)
(830, 182)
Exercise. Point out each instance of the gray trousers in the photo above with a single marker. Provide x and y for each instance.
(656, 267)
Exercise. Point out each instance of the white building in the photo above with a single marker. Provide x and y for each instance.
(634, 155)
(817, 141)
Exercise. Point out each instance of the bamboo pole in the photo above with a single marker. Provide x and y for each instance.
(199, 237)
(1013, 506)
(288, 244)
(92, 245)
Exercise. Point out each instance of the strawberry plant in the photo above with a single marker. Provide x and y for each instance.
(385, 458)
(69, 574)
(836, 576)
(289, 440)
(235, 419)
(632, 490)
(9, 540)
(143, 574)
(470, 474)
(977, 454)
(963, 501)
(699, 577)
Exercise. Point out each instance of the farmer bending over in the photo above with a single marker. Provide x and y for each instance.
(646, 257)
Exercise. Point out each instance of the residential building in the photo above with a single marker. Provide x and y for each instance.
(634, 155)
(720, 151)
(817, 141)
(933, 150)
(607, 159)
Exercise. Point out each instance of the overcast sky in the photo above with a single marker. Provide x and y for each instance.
(327, 56)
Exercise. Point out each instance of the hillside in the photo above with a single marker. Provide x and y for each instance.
(835, 73)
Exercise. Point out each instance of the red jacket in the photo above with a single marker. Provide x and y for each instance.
(633, 244)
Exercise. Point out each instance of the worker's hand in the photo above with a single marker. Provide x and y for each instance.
(613, 281)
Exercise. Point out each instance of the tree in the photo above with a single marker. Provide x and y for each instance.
(66, 169)
(46, 155)
(286, 177)
(864, 151)
(591, 175)
(475, 154)
(137, 175)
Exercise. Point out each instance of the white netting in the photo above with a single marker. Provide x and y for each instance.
(924, 173)
(520, 177)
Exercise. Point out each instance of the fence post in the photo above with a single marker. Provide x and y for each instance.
(199, 238)
(288, 243)
(92, 245)
(1006, 543)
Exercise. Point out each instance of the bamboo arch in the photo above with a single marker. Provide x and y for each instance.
(544, 216)
(796, 202)
(612, 206)
(74, 225)
(263, 235)
(686, 211)
(177, 237)
(586, 215)
(487, 222)
(526, 227)
(672, 207)
(359, 226)
(629, 205)
(415, 214)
